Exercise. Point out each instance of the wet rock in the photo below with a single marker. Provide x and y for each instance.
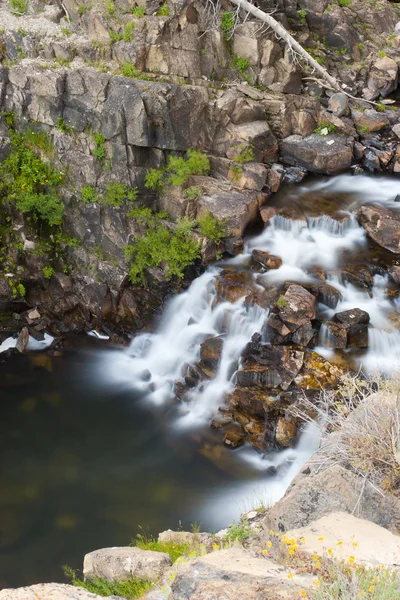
(328, 295)
(294, 175)
(210, 353)
(23, 339)
(370, 161)
(359, 275)
(232, 286)
(335, 335)
(122, 564)
(267, 212)
(286, 433)
(193, 374)
(317, 373)
(351, 317)
(274, 179)
(233, 439)
(357, 336)
(267, 260)
(318, 154)
(256, 402)
(297, 306)
(269, 366)
(303, 335)
(317, 272)
(220, 421)
(339, 104)
(382, 225)
(394, 273)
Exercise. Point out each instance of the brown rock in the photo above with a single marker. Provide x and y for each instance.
(286, 433)
(352, 317)
(319, 154)
(382, 225)
(369, 120)
(23, 339)
(335, 335)
(297, 306)
(210, 353)
(317, 372)
(328, 295)
(232, 286)
(269, 261)
(233, 439)
(269, 366)
(267, 212)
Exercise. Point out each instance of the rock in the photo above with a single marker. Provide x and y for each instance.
(183, 537)
(358, 275)
(50, 591)
(328, 295)
(33, 315)
(334, 335)
(234, 439)
(303, 123)
(303, 335)
(334, 489)
(369, 120)
(286, 432)
(232, 286)
(267, 212)
(317, 373)
(319, 154)
(394, 273)
(370, 161)
(269, 366)
(235, 573)
(121, 564)
(23, 339)
(294, 175)
(253, 176)
(339, 104)
(369, 543)
(298, 306)
(267, 260)
(348, 318)
(383, 76)
(396, 130)
(210, 353)
(382, 225)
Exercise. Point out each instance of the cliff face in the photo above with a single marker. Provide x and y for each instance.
(120, 87)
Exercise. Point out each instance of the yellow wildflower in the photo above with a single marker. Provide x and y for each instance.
(271, 532)
(354, 544)
(351, 560)
(316, 582)
(315, 557)
(330, 551)
(269, 544)
(215, 546)
(291, 551)
(371, 588)
(317, 565)
(339, 543)
(303, 540)
(321, 539)
(303, 593)
(265, 552)
(290, 576)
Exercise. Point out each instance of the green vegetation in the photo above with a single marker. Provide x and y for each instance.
(281, 302)
(28, 182)
(211, 228)
(82, 9)
(99, 151)
(380, 107)
(245, 154)
(381, 54)
(239, 531)
(324, 128)
(88, 194)
(48, 272)
(115, 37)
(178, 170)
(110, 7)
(174, 549)
(241, 63)
(61, 125)
(227, 24)
(127, 36)
(363, 129)
(128, 70)
(18, 7)
(138, 11)
(344, 3)
(133, 588)
(160, 245)
(302, 15)
(66, 31)
(163, 11)
(117, 192)
(192, 192)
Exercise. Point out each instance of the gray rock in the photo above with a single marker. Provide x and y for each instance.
(319, 154)
(339, 104)
(50, 591)
(121, 564)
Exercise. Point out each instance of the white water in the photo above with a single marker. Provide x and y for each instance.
(154, 362)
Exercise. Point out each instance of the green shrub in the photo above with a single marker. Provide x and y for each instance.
(154, 179)
(163, 11)
(381, 54)
(180, 169)
(99, 151)
(193, 192)
(115, 37)
(239, 531)
(325, 126)
(61, 125)
(18, 7)
(82, 8)
(128, 70)
(110, 7)
(227, 24)
(211, 228)
(48, 272)
(302, 15)
(159, 246)
(128, 32)
(88, 194)
(131, 589)
(381, 107)
(281, 302)
(46, 207)
(138, 12)
(117, 192)
(246, 154)
(344, 3)
(241, 63)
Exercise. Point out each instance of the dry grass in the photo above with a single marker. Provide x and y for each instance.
(362, 418)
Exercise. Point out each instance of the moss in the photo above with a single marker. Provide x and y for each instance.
(131, 589)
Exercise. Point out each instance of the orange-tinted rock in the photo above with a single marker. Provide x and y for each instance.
(297, 306)
(267, 260)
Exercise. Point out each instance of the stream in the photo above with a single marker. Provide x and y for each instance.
(95, 446)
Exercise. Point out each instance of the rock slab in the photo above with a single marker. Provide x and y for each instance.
(121, 564)
(50, 591)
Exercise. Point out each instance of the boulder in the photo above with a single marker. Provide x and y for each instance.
(382, 225)
(235, 573)
(369, 120)
(297, 306)
(50, 591)
(286, 432)
(232, 286)
(264, 365)
(267, 260)
(347, 535)
(383, 76)
(210, 353)
(328, 295)
(339, 104)
(314, 494)
(121, 564)
(317, 373)
(22, 340)
(334, 335)
(319, 154)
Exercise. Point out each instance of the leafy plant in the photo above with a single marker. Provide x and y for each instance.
(154, 179)
(163, 11)
(180, 169)
(88, 194)
(241, 63)
(381, 54)
(48, 272)
(325, 128)
(239, 531)
(344, 3)
(159, 245)
(174, 549)
(117, 192)
(99, 151)
(128, 70)
(115, 37)
(138, 11)
(133, 588)
(281, 302)
(381, 107)
(302, 15)
(211, 228)
(110, 7)
(193, 192)
(61, 125)
(18, 7)
(227, 24)
(128, 32)
(246, 154)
